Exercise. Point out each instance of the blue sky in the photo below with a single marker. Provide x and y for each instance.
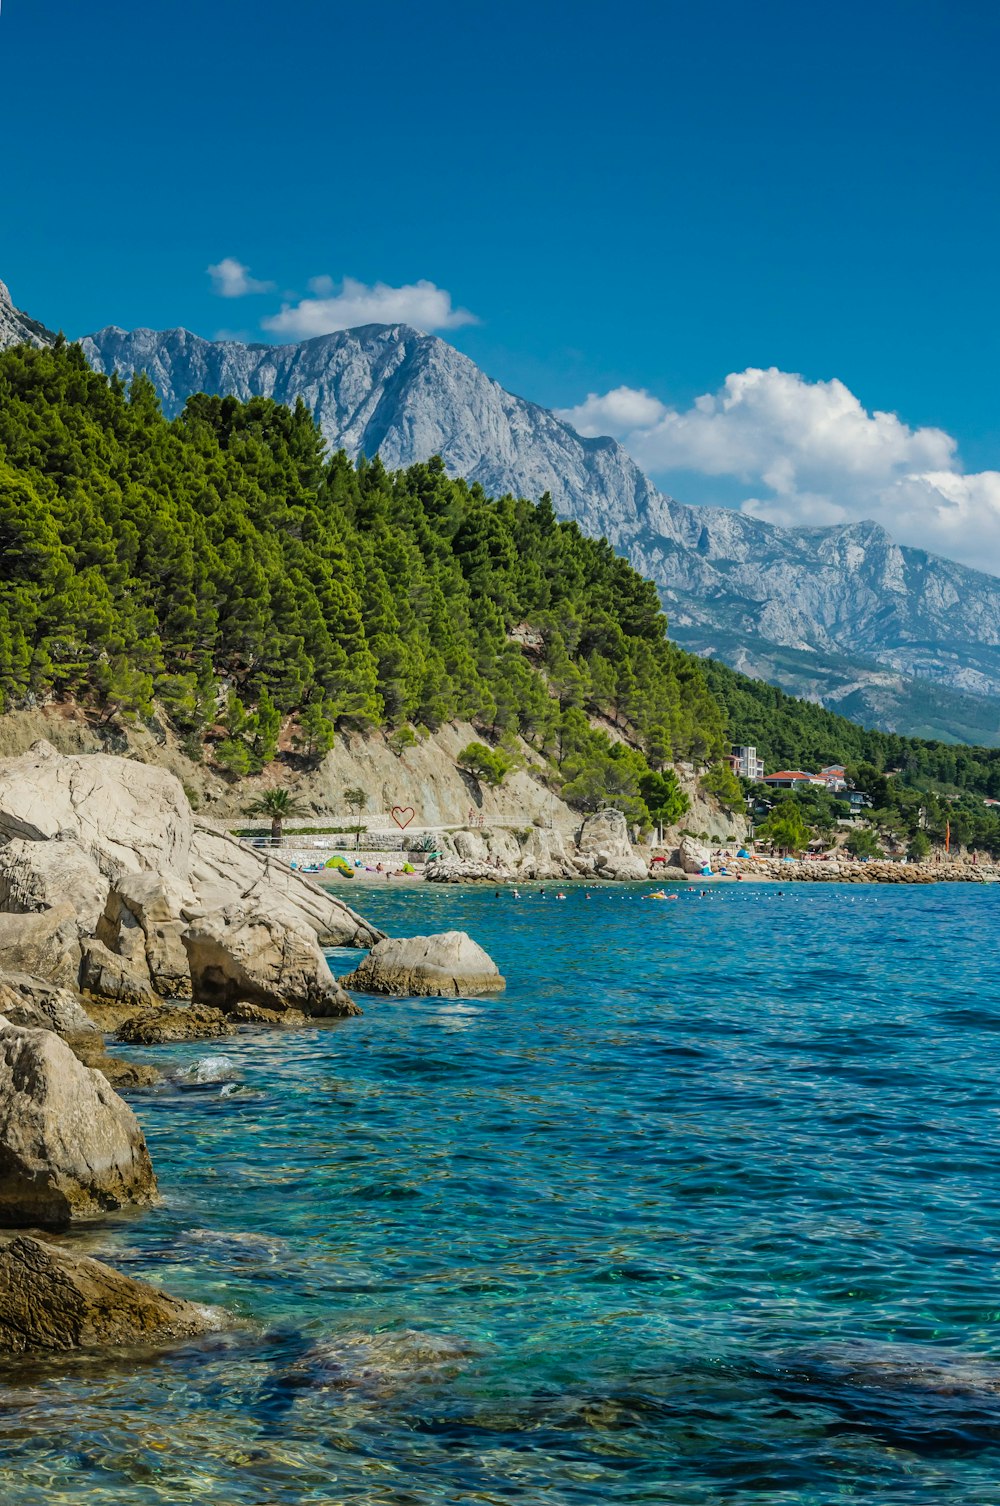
(650, 198)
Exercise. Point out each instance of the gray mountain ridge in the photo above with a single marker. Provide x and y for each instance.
(888, 635)
(16, 328)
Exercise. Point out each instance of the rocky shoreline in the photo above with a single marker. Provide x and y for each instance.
(604, 851)
(693, 857)
(122, 914)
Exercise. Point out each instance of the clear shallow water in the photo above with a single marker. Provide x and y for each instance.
(706, 1207)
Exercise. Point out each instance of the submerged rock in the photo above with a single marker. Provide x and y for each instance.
(449, 965)
(53, 1300)
(69, 1147)
(174, 1022)
(905, 1368)
(380, 1363)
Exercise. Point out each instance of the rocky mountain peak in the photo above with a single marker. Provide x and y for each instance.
(17, 328)
(837, 614)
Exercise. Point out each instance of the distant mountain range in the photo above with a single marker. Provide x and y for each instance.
(889, 636)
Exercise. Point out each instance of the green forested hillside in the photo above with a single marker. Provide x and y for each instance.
(225, 572)
(225, 568)
(789, 733)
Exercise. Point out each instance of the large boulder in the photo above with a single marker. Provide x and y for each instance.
(45, 944)
(53, 1300)
(42, 1006)
(44, 875)
(546, 856)
(694, 855)
(69, 1147)
(126, 815)
(449, 965)
(604, 839)
(109, 977)
(144, 921)
(224, 870)
(244, 954)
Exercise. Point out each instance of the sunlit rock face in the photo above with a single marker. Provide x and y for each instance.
(17, 328)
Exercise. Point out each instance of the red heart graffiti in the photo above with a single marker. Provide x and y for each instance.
(399, 811)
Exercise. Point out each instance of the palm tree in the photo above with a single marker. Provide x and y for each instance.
(357, 800)
(280, 805)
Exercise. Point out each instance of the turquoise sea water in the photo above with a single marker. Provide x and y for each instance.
(705, 1208)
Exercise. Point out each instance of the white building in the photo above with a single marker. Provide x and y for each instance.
(745, 761)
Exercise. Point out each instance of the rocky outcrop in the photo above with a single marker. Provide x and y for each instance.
(144, 921)
(125, 815)
(107, 977)
(449, 965)
(53, 1300)
(239, 955)
(45, 944)
(32, 1002)
(69, 1147)
(109, 886)
(224, 871)
(604, 842)
(42, 875)
(546, 855)
(37, 1005)
(17, 328)
(256, 1014)
(693, 855)
(167, 1023)
(91, 1050)
(464, 871)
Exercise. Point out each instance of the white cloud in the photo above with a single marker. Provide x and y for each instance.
(809, 453)
(331, 308)
(231, 279)
(618, 412)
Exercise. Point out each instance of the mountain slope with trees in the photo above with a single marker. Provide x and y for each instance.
(891, 635)
(223, 570)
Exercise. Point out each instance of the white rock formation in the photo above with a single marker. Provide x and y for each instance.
(69, 1147)
(242, 954)
(449, 965)
(604, 840)
(103, 870)
(125, 815)
(223, 871)
(42, 1006)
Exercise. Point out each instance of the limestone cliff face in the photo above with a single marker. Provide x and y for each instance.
(887, 634)
(17, 328)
